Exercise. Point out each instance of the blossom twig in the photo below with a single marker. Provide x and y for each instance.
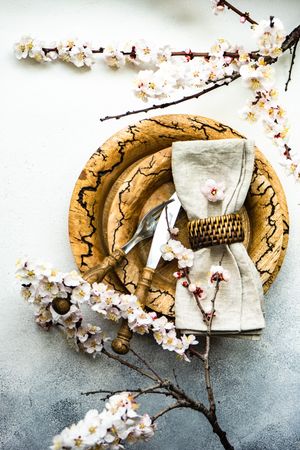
(288, 43)
(216, 85)
(128, 364)
(146, 364)
(170, 408)
(291, 65)
(183, 399)
(245, 15)
(138, 392)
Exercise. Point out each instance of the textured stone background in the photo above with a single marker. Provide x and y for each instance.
(49, 128)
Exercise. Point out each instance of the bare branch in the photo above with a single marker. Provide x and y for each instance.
(128, 364)
(237, 11)
(158, 377)
(291, 65)
(169, 408)
(214, 86)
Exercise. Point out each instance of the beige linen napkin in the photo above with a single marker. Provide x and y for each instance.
(239, 301)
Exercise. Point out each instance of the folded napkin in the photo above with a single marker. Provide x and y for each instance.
(238, 303)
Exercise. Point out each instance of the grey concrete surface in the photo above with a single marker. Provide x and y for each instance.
(49, 128)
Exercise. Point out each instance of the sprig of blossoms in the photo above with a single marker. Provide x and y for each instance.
(118, 423)
(174, 249)
(58, 298)
(269, 35)
(259, 77)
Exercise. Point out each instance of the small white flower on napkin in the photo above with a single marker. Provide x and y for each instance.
(213, 190)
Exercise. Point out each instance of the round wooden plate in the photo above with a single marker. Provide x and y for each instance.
(101, 178)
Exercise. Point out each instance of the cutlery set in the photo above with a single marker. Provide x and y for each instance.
(157, 223)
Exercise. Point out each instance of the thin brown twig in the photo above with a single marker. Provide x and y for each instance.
(237, 11)
(146, 364)
(149, 390)
(216, 85)
(169, 408)
(128, 364)
(196, 353)
(139, 391)
(197, 298)
(291, 65)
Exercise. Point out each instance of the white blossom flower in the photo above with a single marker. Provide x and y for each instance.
(249, 113)
(183, 345)
(81, 293)
(170, 341)
(70, 319)
(113, 56)
(219, 47)
(55, 276)
(213, 190)
(93, 345)
(28, 293)
(186, 258)
(269, 35)
(257, 76)
(73, 279)
(140, 321)
(163, 54)
(160, 327)
(81, 55)
(28, 272)
(44, 318)
(23, 47)
(143, 430)
(46, 288)
(197, 72)
(218, 273)
(37, 53)
(142, 53)
(149, 84)
(292, 166)
(64, 48)
(172, 249)
(84, 332)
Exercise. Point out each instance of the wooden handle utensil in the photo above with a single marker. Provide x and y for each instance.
(98, 272)
(121, 343)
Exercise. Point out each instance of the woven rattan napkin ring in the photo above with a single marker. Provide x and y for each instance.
(215, 230)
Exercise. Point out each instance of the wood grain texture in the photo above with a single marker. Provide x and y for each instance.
(101, 180)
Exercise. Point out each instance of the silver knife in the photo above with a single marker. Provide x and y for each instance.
(166, 221)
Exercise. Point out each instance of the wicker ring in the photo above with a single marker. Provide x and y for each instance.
(216, 230)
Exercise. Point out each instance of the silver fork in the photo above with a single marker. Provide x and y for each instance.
(145, 230)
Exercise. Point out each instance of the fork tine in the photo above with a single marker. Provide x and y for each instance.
(156, 215)
(154, 212)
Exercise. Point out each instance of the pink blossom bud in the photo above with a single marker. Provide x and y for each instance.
(185, 284)
(192, 287)
(174, 231)
(228, 59)
(178, 274)
(220, 7)
(242, 19)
